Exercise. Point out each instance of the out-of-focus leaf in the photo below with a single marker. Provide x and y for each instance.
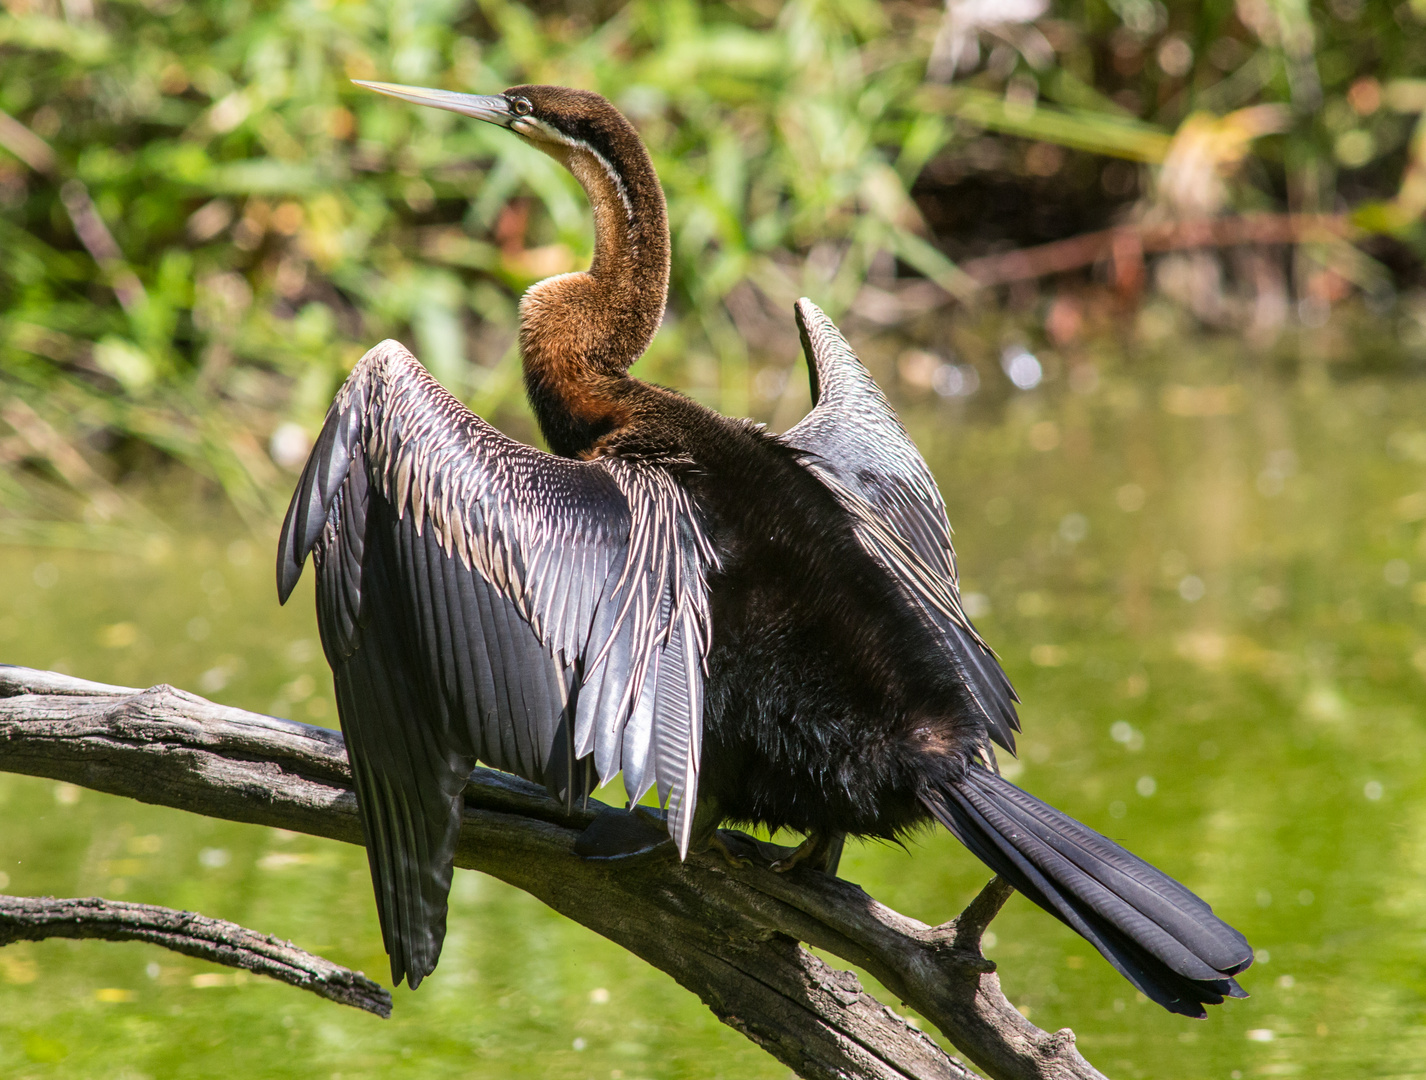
(88, 44)
(126, 362)
(274, 221)
(1111, 134)
(266, 177)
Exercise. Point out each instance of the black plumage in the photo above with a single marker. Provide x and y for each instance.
(765, 628)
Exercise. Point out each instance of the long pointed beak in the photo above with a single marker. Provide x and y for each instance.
(495, 109)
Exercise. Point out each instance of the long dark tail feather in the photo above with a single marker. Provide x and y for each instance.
(1161, 937)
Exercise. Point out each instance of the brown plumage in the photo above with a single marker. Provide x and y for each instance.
(763, 628)
(580, 333)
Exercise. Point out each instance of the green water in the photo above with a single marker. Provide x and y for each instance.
(1207, 582)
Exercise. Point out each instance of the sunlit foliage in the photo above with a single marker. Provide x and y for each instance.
(267, 221)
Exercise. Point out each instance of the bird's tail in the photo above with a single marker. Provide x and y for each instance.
(1161, 937)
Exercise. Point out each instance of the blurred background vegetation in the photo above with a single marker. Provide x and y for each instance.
(203, 224)
(1145, 280)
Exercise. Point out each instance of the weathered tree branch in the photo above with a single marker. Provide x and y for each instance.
(29, 919)
(731, 936)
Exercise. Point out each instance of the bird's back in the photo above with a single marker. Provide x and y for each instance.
(826, 687)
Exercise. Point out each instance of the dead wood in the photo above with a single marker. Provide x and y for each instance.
(24, 918)
(732, 936)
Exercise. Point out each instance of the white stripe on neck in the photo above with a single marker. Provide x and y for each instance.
(555, 135)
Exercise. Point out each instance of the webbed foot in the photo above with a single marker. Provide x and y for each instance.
(618, 834)
(719, 843)
(820, 851)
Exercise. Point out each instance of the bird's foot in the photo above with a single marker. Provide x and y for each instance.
(718, 842)
(820, 851)
(615, 834)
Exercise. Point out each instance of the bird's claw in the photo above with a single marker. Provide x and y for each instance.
(782, 866)
(815, 849)
(720, 845)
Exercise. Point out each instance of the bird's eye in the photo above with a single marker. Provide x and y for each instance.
(521, 107)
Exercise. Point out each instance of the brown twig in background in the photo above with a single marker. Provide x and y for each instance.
(88, 225)
(101, 245)
(47, 443)
(732, 936)
(35, 919)
(1077, 252)
(27, 146)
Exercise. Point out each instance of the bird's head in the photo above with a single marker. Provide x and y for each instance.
(561, 121)
(608, 315)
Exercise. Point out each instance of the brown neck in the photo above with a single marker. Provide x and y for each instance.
(579, 333)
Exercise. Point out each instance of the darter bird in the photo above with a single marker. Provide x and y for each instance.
(766, 628)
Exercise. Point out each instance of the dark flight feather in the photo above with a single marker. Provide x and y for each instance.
(855, 443)
(481, 600)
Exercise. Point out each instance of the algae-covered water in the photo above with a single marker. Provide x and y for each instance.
(1206, 575)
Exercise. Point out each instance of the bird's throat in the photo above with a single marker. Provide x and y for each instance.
(579, 333)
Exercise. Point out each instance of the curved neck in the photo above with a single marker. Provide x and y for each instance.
(579, 333)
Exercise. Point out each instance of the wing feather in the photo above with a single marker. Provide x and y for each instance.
(480, 599)
(854, 442)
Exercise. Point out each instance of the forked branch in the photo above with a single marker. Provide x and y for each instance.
(731, 936)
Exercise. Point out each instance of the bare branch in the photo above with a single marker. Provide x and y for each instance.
(29, 919)
(970, 924)
(731, 936)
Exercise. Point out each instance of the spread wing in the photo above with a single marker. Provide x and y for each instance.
(853, 441)
(479, 599)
